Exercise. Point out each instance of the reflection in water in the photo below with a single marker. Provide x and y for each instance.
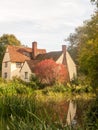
(71, 113)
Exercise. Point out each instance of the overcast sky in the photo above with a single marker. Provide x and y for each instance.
(48, 22)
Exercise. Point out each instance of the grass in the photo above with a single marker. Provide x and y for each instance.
(22, 107)
(29, 110)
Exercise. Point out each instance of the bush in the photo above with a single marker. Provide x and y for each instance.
(59, 88)
(91, 116)
(2, 80)
(20, 89)
(35, 83)
(49, 72)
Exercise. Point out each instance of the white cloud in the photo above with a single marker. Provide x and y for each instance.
(48, 21)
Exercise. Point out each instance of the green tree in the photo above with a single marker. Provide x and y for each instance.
(75, 39)
(88, 50)
(7, 39)
(85, 40)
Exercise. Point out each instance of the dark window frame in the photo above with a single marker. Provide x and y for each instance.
(18, 64)
(6, 64)
(26, 75)
(5, 75)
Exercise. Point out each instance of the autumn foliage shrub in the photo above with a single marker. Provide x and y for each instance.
(49, 72)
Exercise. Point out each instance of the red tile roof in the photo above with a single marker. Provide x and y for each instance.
(19, 54)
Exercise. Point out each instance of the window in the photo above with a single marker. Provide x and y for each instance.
(6, 64)
(18, 64)
(5, 75)
(26, 54)
(26, 75)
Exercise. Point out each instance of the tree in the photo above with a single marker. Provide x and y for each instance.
(76, 40)
(95, 2)
(7, 39)
(49, 72)
(88, 51)
(85, 39)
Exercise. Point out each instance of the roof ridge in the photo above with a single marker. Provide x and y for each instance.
(19, 46)
(53, 51)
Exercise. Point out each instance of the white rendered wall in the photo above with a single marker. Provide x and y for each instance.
(8, 68)
(24, 69)
(71, 66)
(14, 70)
(60, 60)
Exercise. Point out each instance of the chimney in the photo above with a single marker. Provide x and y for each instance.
(34, 49)
(64, 48)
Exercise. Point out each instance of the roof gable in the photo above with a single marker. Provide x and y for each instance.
(19, 54)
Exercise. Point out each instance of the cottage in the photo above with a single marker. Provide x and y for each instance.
(20, 61)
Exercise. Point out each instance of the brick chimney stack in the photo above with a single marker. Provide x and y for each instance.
(64, 48)
(34, 49)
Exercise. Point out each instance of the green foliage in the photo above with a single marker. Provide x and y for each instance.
(88, 52)
(35, 82)
(14, 87)
(91, 116)
(59, 88)
(22, 107)
(27, 112)
(81, 85)
(9, 39)
(85, 42)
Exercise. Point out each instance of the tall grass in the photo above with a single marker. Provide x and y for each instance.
(25, 112)
(22, 107)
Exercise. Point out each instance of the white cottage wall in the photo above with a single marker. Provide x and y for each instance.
(60, 60)
(71, 66)
(6, 69)
(14, 70)
(24, 69)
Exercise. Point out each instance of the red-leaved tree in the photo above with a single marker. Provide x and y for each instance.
(49, 72)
